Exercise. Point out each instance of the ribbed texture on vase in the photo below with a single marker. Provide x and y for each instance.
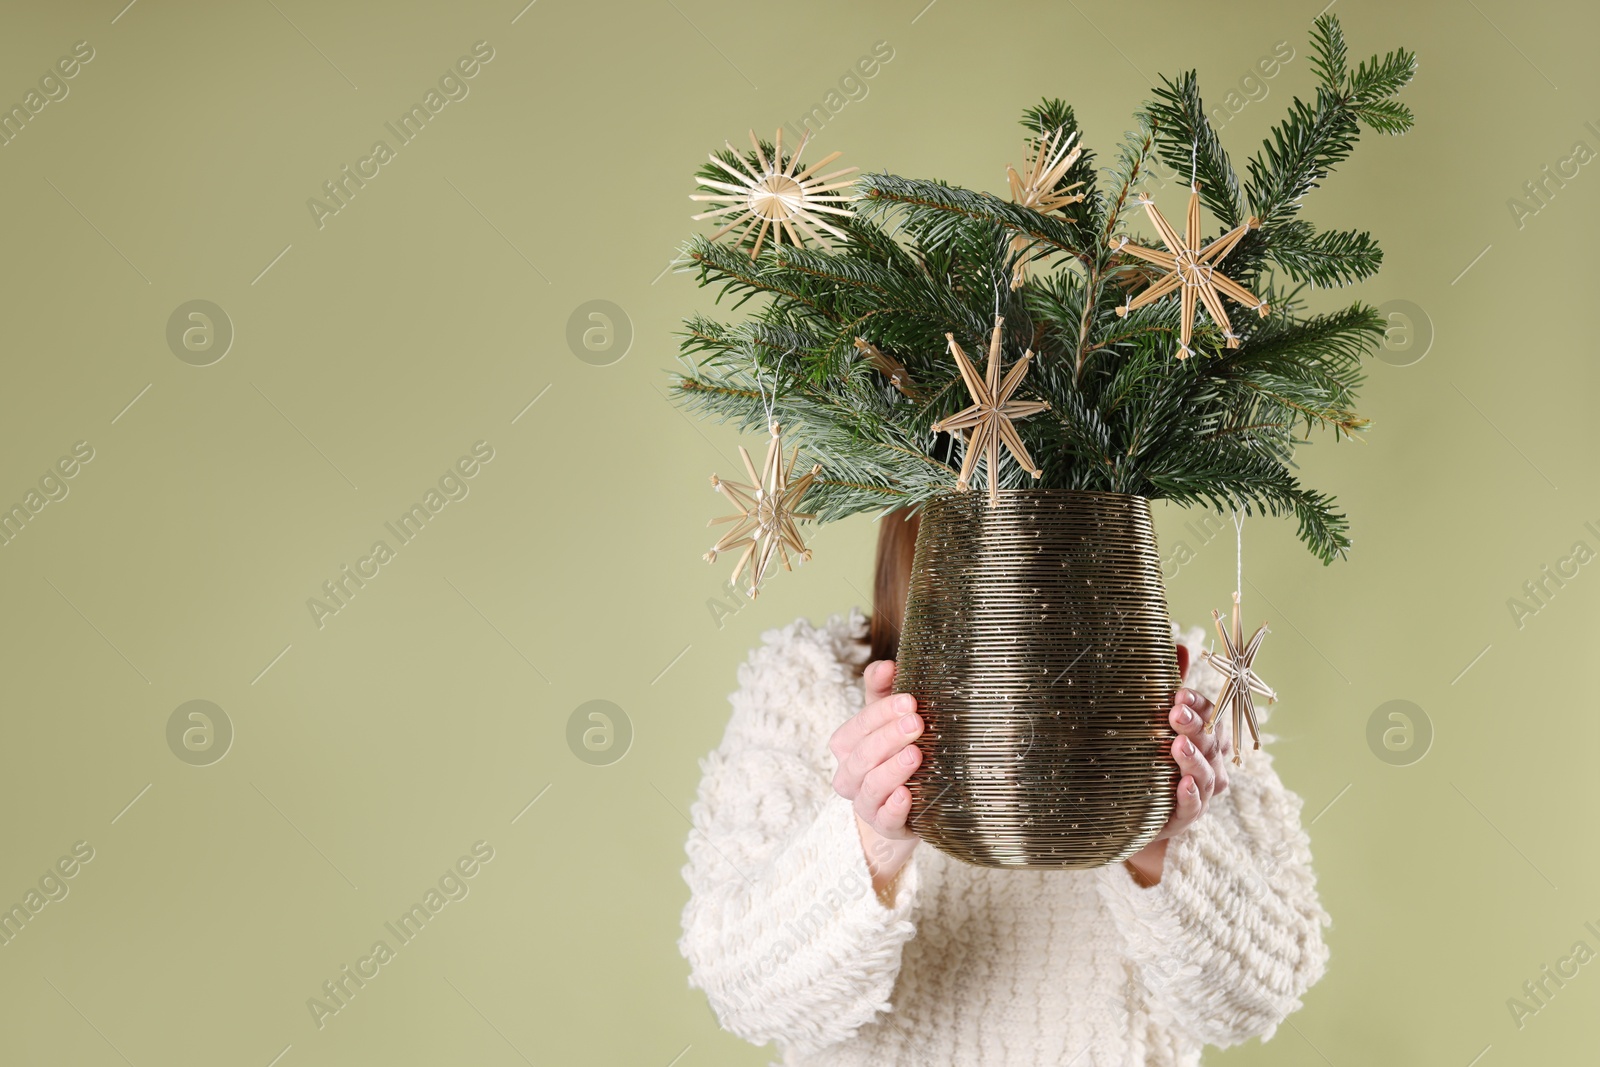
(1038, 646)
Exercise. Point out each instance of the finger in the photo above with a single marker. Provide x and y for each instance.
(1186, 809)
(877, 747)
(890, 820)
(884, 744)
(1190, 711)
(884, 779)
(1196, 701)
(1194, 764)
(1208, 742)
(879, 679)
(1189, 722)
(868, 719)
(878, 682)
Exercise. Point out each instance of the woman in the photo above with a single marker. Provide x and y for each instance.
(816, 921)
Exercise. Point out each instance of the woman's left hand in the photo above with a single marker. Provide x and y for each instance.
(1202, 759)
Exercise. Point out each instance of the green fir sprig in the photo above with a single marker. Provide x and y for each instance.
(922, 258)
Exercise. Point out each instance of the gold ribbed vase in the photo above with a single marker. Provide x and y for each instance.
(1038, 646)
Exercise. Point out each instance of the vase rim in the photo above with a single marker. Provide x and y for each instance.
(952, 497)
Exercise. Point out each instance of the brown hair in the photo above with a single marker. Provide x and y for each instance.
(897, 541)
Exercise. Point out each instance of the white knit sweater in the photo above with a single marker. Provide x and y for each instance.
(791, 945)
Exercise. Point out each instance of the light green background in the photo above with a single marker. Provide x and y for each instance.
(427, 314)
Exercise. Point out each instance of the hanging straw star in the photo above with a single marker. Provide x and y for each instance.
(1240, 679)
(774, 196)
(989, 417)
(1049, 158)
(888, 366)
(1194, 270)
(765, 523)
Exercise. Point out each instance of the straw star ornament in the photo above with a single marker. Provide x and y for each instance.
(1049, 158)
(772, 196)
(888, 366)
(1239, 679)
(991, 414)
(1193, 269)
(765, 523)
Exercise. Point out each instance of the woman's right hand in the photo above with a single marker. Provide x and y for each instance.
(876, 751)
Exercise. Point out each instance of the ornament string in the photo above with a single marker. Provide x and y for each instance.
(1238, 544)
(767, 403)
(755, 364)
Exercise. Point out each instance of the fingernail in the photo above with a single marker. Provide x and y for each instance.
(908, 756)
(909, 724)
(1194, 790)
(905, 702)
(1185, 716)
(1188, 748)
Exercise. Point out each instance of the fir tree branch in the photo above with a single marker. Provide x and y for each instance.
(739, 273)
(695, 385)
(1187, 143)
(1328, 53)
(1307, 145)
(1328, 259)
(933, 204)
(863, 486)
(920, 259)
(1128, 172)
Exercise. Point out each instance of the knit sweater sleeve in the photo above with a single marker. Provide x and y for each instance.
(1231, 938)
(783, 930)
